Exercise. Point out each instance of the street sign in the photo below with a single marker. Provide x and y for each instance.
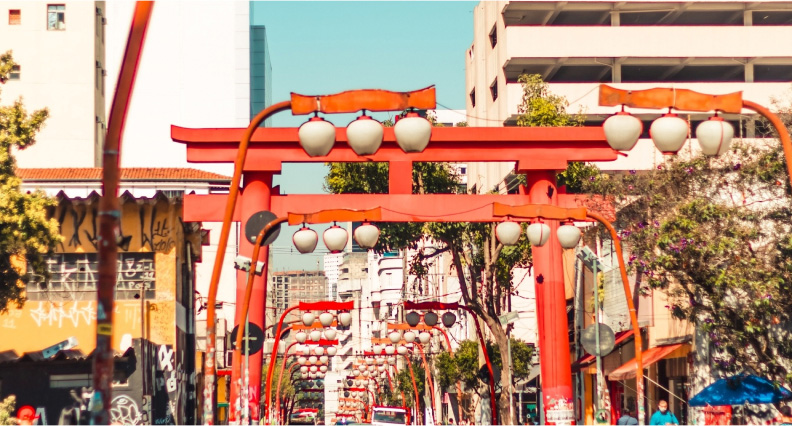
(255, 339)
(509, 318)
(607, 339)
(256, 223)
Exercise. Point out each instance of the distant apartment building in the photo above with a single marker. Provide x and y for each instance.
(59, 49)
(292, 287)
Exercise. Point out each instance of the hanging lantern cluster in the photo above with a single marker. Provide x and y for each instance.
(364, 135)
(335, 238)
(538, 233)
(668, 133)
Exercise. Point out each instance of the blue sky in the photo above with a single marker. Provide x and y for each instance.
(328, 47)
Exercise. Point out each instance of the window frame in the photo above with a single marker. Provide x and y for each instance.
(60, 16)
(16, 73)
(14, 18)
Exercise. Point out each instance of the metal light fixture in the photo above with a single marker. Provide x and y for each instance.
(568, 236)
(430, 319)
(326, 318)
(305, 240)
(413, 132)
(364, 135)
(412, 318)
(317, 136)
(367, 235)
(508, 232)
(622, 130)
(345, 318)
(449, 319)
(669, 133)
(714, 136)
(335, 238)
(538, 233)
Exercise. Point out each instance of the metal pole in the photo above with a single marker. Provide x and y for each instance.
(597, 352)
(511, 369)
(246, 383)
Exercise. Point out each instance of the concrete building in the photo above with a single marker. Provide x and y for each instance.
(60, 54)
(291, 287)
(707, 46)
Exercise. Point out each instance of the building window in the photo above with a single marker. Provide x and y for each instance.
(494, 89)
(473, 98)
(16, 73)
(69, 380)
(56, 17)
(14, 17)
(493, 35)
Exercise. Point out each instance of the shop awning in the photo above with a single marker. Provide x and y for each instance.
(586, 360)
(650, 356)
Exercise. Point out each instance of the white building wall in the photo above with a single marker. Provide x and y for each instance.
(60, 70)
(194, 72)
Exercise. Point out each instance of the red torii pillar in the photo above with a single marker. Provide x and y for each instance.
(539, 153)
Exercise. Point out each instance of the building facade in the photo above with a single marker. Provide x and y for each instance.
(59, 49)
(709, 47)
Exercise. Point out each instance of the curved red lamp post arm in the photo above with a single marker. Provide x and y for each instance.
(280, 379)
(779, 126)
(303, 306)
(282, 368)
(110, 215)
(222, 243)
(452, 306)
(415, 387)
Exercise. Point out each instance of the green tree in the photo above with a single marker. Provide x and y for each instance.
(714, 235)
(7, 408)
(26, 235)
(404, 382)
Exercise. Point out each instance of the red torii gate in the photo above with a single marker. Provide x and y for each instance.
(538, 152)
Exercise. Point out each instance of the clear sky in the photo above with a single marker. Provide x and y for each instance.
(328, 47)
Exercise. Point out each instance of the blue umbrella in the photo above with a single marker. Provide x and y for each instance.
(739, 390)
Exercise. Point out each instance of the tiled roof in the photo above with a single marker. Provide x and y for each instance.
(127, 174)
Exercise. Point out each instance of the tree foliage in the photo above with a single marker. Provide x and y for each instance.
(26, 235)
(7, 408)
(404, 381)
(714, 234)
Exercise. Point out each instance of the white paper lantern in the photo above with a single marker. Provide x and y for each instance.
(302, 360)
(538, 233)
(323, 368)
(345, 318)
(568, 236)
(308, 318)
(335, 238)
(317, 137)
(332, 350)
(314, 369)
(305, 240)
(306, 350)
(316, 335)
(300, 337)
(714, 136)
(394, 336)
(326, 319)
(409, 337)
(622, 131)
(364, 135)
(669, 133)
(323, 359)
(312, 359)
(424, 337)
(319, 350)
(390, 350)
(304, 369)
(401, 350)
(413, 132)
(367, 235)
(304, 375)
(377, 349)
(508, 232)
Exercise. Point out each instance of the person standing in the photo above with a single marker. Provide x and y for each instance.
(662, 416)
(627, 418)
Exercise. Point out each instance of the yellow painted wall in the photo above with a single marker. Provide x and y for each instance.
(154, 226)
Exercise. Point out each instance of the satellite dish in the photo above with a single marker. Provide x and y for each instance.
(607, 339)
